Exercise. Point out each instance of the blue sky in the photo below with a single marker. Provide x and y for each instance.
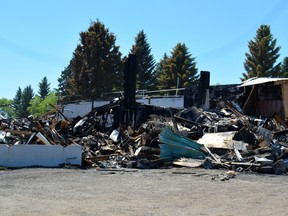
(37, 38)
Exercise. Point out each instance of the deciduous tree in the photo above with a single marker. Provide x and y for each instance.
(5, 107)
(38, 107)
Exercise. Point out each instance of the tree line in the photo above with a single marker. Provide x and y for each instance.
(96, 67)
(97, 64)
(26, 102)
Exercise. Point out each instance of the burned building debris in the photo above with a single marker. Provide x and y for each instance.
(127, 134)
(220, 138)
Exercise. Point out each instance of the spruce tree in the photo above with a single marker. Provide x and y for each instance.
(178, 70)
(44, 88)
(27, 95)
(17, 103)
(183, 66)
(96, 65)
(77, 82)
(63, 82)
(262, 56)
(164, 80)
(21, 101)
(145, 63)
(284, 68)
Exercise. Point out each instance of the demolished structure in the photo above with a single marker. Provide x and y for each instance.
(220, 127)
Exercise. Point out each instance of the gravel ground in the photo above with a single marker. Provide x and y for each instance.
(176, 191)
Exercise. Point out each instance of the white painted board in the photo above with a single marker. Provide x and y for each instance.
(18, 156)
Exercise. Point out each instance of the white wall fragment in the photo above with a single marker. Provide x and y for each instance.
(18, 156)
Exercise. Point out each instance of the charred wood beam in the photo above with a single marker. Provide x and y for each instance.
(130, 68)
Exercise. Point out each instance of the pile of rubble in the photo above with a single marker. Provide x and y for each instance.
(151, 137)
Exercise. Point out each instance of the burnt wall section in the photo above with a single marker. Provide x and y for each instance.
(197, 94)
(229, 92)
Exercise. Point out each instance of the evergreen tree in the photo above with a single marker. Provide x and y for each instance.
(162, 73)
(96, 65)
(183, 66)
(44, 88)
(63, 81)
(27, 96)
(145, 62)
(284, 68)
(17, 103)
(178, 70)
(262, 56)
(78, 82)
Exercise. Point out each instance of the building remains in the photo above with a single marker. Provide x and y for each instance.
(241, 127)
